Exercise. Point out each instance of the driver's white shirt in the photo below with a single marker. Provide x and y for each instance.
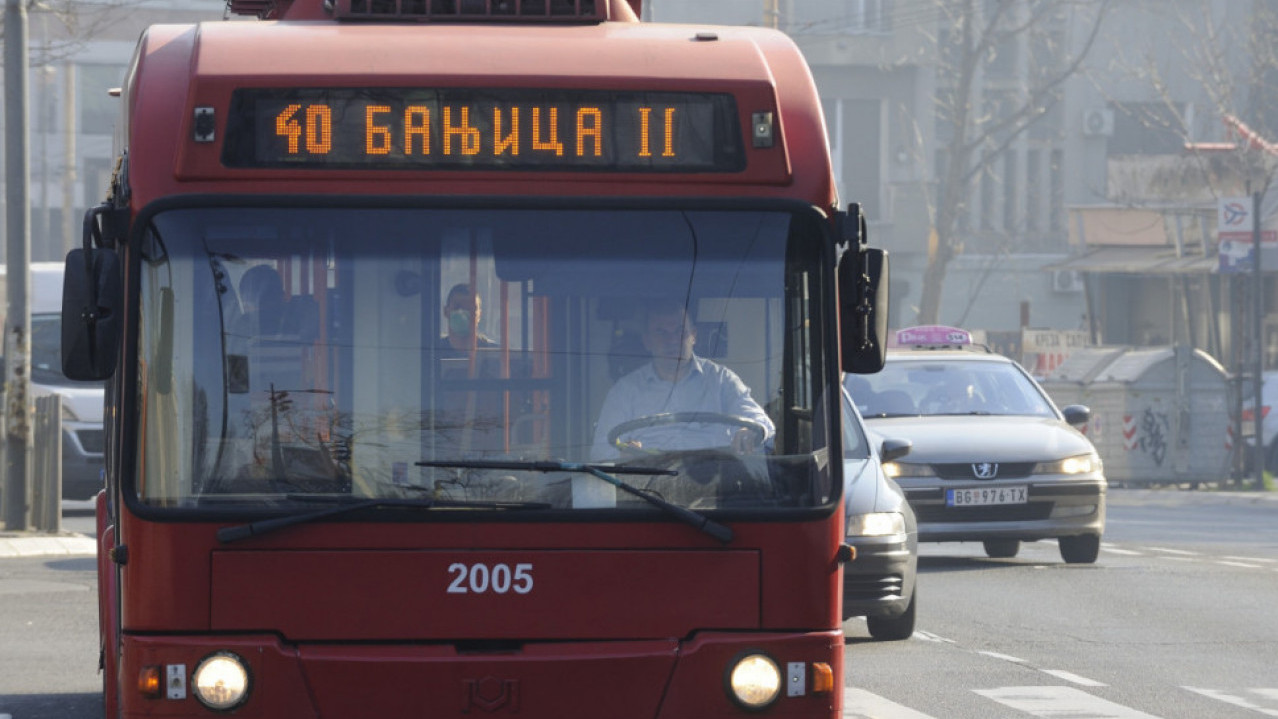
(705, 387)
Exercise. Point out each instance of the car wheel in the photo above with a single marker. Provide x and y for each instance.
(1002, 548)
(896, 628)
(1082, 549)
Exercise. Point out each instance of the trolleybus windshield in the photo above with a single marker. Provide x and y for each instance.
(319, 354)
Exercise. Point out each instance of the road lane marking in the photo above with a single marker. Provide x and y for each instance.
(1180, 552)
(1221, 696)
(1244, 565)
(930, 637)
(1116, 550)
(1004, 657)
(860, 704)
(1060, 702)
(1072, 677)
(1252, 559)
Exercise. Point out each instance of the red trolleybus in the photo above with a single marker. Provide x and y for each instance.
(364, 283)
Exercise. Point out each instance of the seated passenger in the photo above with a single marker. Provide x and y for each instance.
(676, 380)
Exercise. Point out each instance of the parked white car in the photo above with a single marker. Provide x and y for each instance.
(82, 402)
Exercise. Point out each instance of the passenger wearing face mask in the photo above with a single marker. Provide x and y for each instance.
(461, 317)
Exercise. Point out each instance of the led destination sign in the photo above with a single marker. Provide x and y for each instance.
(422, 129)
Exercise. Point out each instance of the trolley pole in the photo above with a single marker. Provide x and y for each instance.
(1258, 346)
(17, 349)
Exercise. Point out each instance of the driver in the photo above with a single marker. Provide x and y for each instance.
(676, 380)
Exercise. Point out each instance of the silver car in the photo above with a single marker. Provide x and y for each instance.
(879, 584)
(993, 459)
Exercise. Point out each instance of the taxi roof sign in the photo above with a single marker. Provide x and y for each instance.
(932, 335)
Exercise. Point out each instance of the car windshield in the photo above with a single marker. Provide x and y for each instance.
(855, 443)
(46, 352)
(908, 387)
(470, 356)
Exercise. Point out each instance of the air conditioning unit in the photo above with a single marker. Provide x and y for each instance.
(1067, 281)
(1098, 122)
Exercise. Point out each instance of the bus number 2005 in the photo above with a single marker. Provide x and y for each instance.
(498, 579)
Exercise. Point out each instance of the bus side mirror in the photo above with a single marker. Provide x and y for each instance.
(92, 301)
(863, 308)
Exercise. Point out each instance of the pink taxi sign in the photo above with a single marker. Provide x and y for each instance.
(933, 335)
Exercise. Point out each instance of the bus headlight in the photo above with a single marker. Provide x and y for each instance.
(755, 681)
(221, 681)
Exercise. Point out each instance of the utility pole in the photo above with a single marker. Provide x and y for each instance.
(17, 348)
(1258, 345)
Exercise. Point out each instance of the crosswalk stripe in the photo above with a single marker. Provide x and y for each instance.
(1056, 701)
(1238, 701)
(1004, 657)
(1072, 677)
(1116, 550)
(860, 704)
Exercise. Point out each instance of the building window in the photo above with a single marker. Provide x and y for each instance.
(1149, 128)
(840, 16)
(987, 192)
(1056, 185)
(1010, 187)
(859, 157)
(1033, 189)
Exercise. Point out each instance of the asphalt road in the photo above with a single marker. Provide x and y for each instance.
(1178, 619)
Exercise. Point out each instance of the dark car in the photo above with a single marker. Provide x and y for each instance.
(993, 459)
(880, 583)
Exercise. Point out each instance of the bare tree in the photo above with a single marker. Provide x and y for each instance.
(68, 24)
(1002, 67)
(1222, 83)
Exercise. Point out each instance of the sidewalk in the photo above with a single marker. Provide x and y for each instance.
(1171, 494)
(30, 544)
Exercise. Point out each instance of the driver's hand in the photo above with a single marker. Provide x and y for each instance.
(743, 441)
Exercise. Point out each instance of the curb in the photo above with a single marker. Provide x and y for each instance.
(74, 545)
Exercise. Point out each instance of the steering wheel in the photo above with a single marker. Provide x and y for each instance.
(757, 430)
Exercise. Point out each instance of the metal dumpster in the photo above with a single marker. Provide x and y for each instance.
(1159, 414)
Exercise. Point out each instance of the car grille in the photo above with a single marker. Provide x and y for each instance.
(871, 587)
(1006, 470)
(998, 513)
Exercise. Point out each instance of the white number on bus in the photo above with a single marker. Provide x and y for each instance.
(498, 578)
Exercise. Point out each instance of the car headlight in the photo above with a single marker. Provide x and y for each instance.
(755, 681)
(876, 524)
(896, 470)
(221, 681)
(1080, 464)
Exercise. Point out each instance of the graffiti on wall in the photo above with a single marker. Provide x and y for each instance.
(1149, 434)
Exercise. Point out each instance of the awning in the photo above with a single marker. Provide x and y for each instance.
(1144, 260)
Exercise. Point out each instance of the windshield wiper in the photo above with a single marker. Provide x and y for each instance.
(227, 535)
(720, 532)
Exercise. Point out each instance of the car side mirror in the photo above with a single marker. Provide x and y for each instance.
(1076, 415)
(894, 449)
(863, 309)
(92, 303)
